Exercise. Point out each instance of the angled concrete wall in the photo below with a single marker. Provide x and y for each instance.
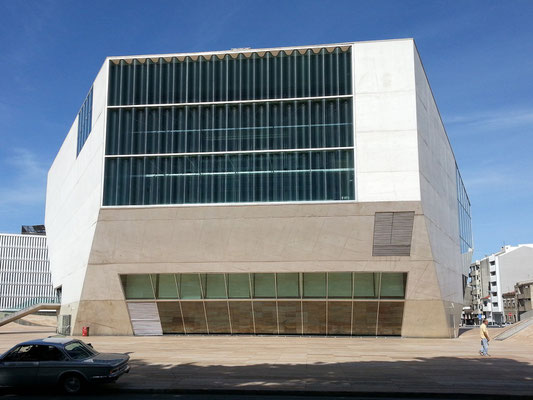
(438, 189)
(73, 199)
(273, 238)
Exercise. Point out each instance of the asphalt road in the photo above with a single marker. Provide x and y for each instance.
(8, 393)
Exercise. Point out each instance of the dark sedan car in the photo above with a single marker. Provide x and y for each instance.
(68, 362)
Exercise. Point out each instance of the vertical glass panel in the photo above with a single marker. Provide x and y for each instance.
(340, 285)
(393, 285)
(288, 285)
(137, 287)
(325, 123)
(365, 316)
(290, 317)
(165, 286)
(84, 121)
(241, 316)
(314, 284)
(366, 285)
(231, 79)
(190, 286)
(265, 314)
(194, 316)
(339, 317)
(239, 286)
(170, 316)
(390, 318)
(314, 317)
(264, 286)
(215, 286)
(217, 316)
(227, 178)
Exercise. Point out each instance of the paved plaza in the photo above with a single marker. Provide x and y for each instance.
(323, 364)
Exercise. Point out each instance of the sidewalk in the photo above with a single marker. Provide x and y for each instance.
(314, 364)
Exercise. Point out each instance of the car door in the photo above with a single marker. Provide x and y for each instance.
(19, 366)
(52, 362)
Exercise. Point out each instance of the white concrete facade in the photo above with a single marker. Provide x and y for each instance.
(403, 161)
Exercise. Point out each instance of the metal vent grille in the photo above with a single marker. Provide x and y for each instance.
(393, 232)
(145, 319)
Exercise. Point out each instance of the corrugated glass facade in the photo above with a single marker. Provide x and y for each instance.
(85, 116)
(465, 218)
(257, 127)
(322, 303)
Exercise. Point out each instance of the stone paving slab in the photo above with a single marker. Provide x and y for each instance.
(314, 364)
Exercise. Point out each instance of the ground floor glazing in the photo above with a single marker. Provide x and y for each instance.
(318, 303)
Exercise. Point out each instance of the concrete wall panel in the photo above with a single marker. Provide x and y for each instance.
(438, 189)
(385, 122)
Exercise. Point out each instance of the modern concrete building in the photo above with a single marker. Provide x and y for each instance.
(301, 190)
(497, 274)
(24, 270)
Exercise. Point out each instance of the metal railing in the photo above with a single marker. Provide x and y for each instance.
(36, 300)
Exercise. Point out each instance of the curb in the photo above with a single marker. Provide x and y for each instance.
(333, 394)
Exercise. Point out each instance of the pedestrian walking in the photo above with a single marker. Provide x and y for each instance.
(485, 339)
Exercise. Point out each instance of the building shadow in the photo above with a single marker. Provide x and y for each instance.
(451, 377)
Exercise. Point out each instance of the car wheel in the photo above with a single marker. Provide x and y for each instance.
(72, 383)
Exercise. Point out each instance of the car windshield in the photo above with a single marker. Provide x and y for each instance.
(79, 350)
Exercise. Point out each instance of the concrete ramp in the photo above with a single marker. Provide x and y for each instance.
(29, 310)
(514, 329)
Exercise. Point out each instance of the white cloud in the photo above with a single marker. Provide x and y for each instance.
(24, 180)
(493, 120)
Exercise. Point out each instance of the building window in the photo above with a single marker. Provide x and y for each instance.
(465, 219)
(343, 303)
(85, 121)
(207, 135)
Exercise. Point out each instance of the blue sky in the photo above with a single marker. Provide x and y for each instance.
(478, 56)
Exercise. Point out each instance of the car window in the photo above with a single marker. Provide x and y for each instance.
(79, 351)
(22, 353)
(49, 353)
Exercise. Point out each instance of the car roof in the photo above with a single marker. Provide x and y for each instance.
(49, 340)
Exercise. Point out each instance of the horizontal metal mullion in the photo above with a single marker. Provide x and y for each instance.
(276, 100)
(206, 153)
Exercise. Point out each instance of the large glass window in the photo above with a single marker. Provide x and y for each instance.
(190, 286)
(165, 286)
(171, 317)
(232, 147)
(85, 116)
(229, 127)
(137, 286)
(340, 285)
(239, 286)
(215, 286)
(316, 303)
(264, 286)
(230, 178)
(217, 316)
(288, 285)
(235, 77)
(465, 220)
(392, 285)
(366, 285)
(314, 284)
